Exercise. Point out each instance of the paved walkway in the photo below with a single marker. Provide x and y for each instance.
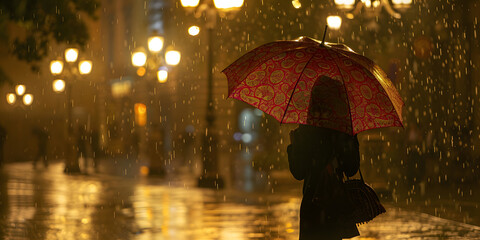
(47, 204)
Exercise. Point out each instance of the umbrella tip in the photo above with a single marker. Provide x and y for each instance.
(324, 33)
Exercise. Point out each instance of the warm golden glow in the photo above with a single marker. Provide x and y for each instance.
(71, 54)
(121, 88)
(296, 4)
(85, 66)
(172, 57)
(141, 108)
(155, 44)
(20, 89)
(193, 30)
(401, 2)
(56, 67)
(140, 114)
(334, 22)
(58, 85)
(144, 170)
(162, 75)
(11, 98)
(139, 59)
(228, 4)
(141, 71)
(28, 99)
(345, 3)
(189, 3)
(368, 3)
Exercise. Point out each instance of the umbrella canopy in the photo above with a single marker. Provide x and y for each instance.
(309, 82)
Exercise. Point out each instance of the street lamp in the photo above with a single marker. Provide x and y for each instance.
(71, 55)
(153, 60)
(20, 89)
(172, 57)
(162, 75)
(85, 67)
(189, 3)
(68, 69)
(28, 99)
(11, 98)
(228, 5)
(210, 176)
(56, 67)
(156, 61)
(139, 58)
(193, 30)
(296, 4)
(334, 22)
(58, 85)
(155, 44)
(20, 92)
(373, 7)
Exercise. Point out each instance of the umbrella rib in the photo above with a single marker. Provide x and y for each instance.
(344, 87)
(376, 72)
(296, 83)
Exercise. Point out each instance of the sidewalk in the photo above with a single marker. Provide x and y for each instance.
(47, 204)
(460, 203)
(456, 202)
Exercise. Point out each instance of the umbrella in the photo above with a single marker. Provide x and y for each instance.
(316, 83)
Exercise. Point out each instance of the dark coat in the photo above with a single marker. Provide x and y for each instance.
(311, 155)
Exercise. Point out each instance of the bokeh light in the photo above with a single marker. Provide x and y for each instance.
(71, 54)
(58, 85)
(193, 30)
(28, 99)
(139, 59)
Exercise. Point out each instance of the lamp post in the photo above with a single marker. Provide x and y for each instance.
(20, 92)
(152, 60)
(157, 61)
(69, 67)
(210, 177)
(373, 7)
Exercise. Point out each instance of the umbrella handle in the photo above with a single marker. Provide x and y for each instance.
(324, 33)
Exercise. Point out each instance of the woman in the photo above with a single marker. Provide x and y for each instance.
(321, 157)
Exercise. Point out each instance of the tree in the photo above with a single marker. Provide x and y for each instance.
(28, 27)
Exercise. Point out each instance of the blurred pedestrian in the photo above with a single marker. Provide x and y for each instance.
(42, 139)
(320, 157)
(3, 137)
(82, 145)
(415, 163)
(187, 142)
(95, 146)
(156, 150)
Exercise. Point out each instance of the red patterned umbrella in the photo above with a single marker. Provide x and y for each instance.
(306, 81)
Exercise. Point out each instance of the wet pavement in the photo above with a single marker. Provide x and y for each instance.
(47, 204)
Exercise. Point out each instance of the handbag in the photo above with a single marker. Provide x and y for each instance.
(364, 199)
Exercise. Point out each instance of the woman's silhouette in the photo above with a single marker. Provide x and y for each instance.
(320, 157)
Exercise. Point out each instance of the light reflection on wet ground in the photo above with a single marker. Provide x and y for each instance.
(46, 204)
